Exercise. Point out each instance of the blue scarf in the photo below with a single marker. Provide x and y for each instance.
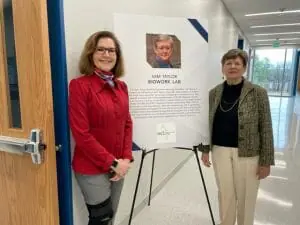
(106, 76)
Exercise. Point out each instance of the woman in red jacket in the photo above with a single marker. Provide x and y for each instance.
(101, 126)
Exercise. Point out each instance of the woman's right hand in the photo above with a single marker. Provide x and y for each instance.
(205, 159)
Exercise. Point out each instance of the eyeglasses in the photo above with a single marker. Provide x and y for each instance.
(110, 51)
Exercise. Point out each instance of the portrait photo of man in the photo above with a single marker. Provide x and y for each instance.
(163, 51)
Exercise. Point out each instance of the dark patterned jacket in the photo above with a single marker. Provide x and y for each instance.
(255, 123)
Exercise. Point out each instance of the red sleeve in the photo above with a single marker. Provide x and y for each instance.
(128, 133)
(79, 123)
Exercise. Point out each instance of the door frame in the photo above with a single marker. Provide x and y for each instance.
(60, 103)
(296, 73)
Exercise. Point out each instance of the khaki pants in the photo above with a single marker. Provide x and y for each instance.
(238, 185)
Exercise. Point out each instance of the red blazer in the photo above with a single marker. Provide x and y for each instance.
(100, 123)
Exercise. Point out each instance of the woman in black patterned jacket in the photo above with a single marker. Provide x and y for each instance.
(241, 140)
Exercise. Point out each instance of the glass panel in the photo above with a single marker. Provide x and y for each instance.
(12, 72)
(273, 69)
(268, 69)
(282, 112)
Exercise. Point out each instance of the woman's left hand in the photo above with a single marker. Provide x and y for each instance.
(118, 177)
(128, 162)
(263, 172)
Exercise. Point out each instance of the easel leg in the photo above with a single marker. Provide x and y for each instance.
(137, 186)
(151, 182)
(195, 149)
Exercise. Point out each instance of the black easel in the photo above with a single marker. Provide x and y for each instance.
(195, 149)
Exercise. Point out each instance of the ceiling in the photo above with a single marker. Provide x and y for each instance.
(239, 8)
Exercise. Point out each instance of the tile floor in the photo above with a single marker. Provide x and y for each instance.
(182, 200)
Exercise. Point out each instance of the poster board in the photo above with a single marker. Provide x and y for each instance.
(166, 74)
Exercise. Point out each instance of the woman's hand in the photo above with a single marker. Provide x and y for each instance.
(205, 159)
(263, 172)
(128, 164)
(123, 167)
(115, 178)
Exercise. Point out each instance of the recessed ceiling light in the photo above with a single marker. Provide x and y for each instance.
(267, 34)
(277, 25)
(280, 39)
(280, 44)
(265, 40)
(288, 39)
(274, 13)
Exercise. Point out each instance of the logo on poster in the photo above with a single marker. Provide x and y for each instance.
(166, 133)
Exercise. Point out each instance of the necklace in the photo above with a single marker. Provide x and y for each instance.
(228, 103)
(234, 104)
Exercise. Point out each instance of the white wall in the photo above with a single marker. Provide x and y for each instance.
(82, 18)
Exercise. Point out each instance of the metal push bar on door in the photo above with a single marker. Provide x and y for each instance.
(33, 145)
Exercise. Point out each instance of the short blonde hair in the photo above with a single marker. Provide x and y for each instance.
(235, 53)
(86, 63)
(163, 37)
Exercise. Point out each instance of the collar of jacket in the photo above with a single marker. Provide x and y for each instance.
(247, 87)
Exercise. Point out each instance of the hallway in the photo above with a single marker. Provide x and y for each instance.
(182, 200)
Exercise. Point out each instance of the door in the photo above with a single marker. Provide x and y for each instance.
(28, 191)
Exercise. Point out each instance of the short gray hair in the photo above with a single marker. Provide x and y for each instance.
(235, 53)
(163, 37)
